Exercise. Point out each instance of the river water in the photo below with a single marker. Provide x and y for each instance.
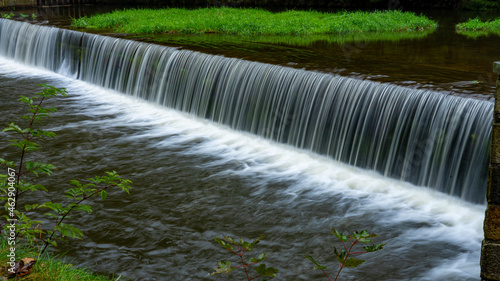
(194, 180)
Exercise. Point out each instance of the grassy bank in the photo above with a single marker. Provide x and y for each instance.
(475, 27)
(254, 21)
(46, 268)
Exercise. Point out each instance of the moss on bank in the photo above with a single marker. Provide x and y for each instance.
(254, 21)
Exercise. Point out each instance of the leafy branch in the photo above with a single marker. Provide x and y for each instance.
(13, 184)
(344, 256)
(240, 248)
(78, 194)
(28, 134)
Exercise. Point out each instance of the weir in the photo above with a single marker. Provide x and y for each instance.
(423, 137)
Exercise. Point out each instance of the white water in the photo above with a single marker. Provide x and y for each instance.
(407, 217)
(422, 137)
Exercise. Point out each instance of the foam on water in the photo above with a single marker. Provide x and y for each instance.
(390, 202)
(423, 137)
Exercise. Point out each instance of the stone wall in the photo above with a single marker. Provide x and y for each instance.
(490, 251)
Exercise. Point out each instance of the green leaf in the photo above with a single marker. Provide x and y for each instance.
(260, 258)
(16, 143)
(257, 241)
(363, 236)
(8, 163)
(103, 194)
(374, 248)
(318, 266)
(352, 262)
(339, 235)
(74, 182)
(13, 127)
(266, 271)
(83, 207)
(247, 246)
(224, 244)
(340, 256)
(25, 144)
(52, 215)
(223, 267)
(32, 187)
(42, 133)
(39, 167)
(231, 240)
(54, 206)
(69, 230)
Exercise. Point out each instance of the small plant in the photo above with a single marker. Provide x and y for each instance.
(474, 28)
(344, 257)
(240, 249)
(233, 21)
(8, 16)
(23, 15)
(14, 184)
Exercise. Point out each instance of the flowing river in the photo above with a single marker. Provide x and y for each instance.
(211, 153)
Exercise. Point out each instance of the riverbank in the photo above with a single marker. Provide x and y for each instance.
(254, 21)
(47, 268)
(476, 27)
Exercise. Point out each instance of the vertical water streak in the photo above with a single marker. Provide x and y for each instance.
(422, 137)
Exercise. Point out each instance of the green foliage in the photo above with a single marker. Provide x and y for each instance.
(240, 248)
(254, 21)
(344, 255)
(48, 268)
(8, 15)
(474, 28)
(14, 185)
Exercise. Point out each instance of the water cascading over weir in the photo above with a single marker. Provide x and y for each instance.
(423, 137)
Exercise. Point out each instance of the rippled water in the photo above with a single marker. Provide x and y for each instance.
(194, 180)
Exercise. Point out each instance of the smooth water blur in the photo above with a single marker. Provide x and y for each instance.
(424, 137)
(194, 180)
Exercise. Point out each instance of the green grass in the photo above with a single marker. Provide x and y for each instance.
(47, 268)
(475, 27)
(253, 21)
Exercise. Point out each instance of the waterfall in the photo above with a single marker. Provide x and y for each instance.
(423, 137)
